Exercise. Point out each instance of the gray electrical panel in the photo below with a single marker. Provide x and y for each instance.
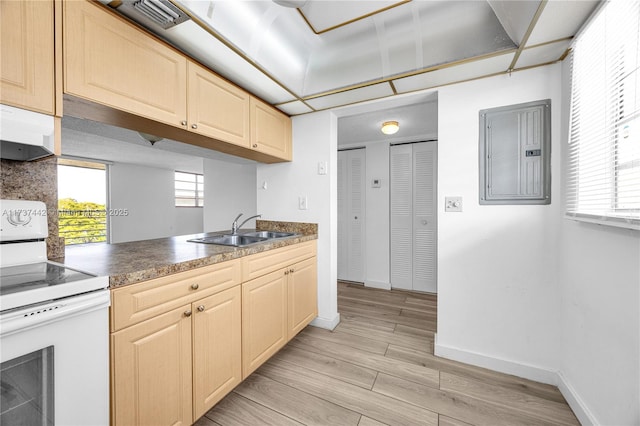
(515, 153)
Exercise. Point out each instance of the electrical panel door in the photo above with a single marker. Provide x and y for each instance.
(515, 153)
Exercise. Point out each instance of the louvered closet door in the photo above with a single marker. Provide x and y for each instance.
(342, 214)
(351, 214)
(413, 216)
(424, 217)
(401, 165)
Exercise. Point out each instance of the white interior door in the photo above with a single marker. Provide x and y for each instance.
(401, 223)
(351, 214)
(413, 216)
(424, 217)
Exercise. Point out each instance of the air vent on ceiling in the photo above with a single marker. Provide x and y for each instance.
(161, 12)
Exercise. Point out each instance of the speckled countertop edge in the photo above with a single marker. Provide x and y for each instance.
(134, 262)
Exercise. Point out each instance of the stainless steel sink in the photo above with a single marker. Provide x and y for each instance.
(230, 240)
(270, 234)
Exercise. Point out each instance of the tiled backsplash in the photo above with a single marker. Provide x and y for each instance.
(37, 181)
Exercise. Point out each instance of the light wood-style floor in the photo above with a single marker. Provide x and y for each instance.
(377, 367)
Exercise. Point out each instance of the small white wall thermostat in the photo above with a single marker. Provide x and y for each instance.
(376, 183)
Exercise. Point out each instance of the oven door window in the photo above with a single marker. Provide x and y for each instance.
(26, 386)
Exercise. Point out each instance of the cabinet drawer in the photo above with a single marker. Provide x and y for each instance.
(260, 264)
(138, 302)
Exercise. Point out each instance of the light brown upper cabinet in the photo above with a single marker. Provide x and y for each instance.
(109, 61)
(27, 55)
(217, 108)
(270, 130)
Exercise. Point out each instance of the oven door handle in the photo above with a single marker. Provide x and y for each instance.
(17, 320)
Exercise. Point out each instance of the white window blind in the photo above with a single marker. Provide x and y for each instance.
(189, 189)
(604, 144)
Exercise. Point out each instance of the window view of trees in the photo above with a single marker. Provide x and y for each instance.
(82, 222)
(82, 206)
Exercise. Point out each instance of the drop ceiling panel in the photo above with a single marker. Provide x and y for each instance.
(322, 15)
(466, 71)
(352, 96)
(542, 54)
(515, 16)
(294, 108)
(221, 59)
(561, 19)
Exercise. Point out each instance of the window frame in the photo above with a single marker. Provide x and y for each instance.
(198, 181)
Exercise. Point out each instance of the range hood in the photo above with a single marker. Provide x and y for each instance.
(25, 135)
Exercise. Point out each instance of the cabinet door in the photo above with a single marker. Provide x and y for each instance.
(303, 295)
(110, 61)
(270, 130)
(217, 346)
(264, 319)
(27, 55)
(151, 371)
(216, 108)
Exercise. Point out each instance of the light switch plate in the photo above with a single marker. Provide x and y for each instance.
(322, 168)
(453, 204)
(302, 202)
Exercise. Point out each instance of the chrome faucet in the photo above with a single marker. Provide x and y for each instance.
(235, 227)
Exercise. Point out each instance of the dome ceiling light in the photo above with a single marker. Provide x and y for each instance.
(291, 3)
(390, 127)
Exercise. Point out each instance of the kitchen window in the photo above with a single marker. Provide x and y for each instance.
(189, 189)
(604, 144)
(82, 201)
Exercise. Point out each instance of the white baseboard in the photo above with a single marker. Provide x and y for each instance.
(580, 409)
(378, 284)
(526, 371)
(328, 323)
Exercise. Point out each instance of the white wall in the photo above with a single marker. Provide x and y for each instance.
(599, 280)
(498, 301)
(148, 195)
(229, 189)
(314, 140)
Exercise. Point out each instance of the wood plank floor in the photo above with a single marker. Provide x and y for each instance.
(377, 368)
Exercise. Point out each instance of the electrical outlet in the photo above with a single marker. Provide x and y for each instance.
(302, 202)
(322, 168)
(453, 204)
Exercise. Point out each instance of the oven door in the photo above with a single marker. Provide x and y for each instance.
(55, 362)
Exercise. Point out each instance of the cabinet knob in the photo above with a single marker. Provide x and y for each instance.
(183, 122)
(291, 271)
(286, 272)
(187, 313)
(201, 308)
(195, 286)
(255, 145)
(194, 126)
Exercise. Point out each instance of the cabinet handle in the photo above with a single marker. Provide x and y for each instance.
(195, 286)
(201, 308)
(255, 145)
(291, 270)
(183, 122)
(286, 272)
(187, 313)
(194, 126)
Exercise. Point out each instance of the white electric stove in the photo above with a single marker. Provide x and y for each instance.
(54, 348)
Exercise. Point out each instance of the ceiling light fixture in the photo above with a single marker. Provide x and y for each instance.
(291, 3)
(150, 138)
(390, 127)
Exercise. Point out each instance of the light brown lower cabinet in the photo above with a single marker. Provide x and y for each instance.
(217, 348)
(275, 307)
(157, 361)
(180, 343)
(152, 371)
